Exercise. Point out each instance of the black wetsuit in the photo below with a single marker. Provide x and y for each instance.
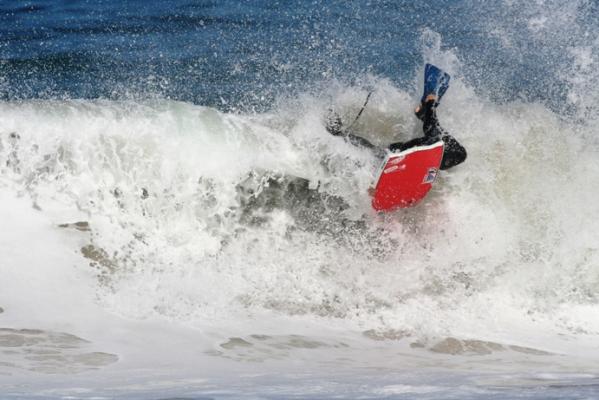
(453, 152)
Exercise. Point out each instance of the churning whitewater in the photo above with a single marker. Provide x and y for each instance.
(213, 239)
(200, 216)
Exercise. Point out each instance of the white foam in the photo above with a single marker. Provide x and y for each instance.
(504, 248)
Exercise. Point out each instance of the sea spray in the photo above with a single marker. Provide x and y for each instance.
(202, 213)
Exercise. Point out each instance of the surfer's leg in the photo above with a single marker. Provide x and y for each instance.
(432, 130)
(453, 152)
(427, 112)
(359, 141)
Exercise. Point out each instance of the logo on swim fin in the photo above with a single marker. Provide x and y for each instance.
(430, 175)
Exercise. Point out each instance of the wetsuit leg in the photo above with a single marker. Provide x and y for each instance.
(453, 153)
(431, 128)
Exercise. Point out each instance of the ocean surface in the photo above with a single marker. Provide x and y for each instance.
(176, 223)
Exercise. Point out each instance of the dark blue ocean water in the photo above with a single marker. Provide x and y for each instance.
(239, 53)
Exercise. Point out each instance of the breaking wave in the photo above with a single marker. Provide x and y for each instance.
(202, 216)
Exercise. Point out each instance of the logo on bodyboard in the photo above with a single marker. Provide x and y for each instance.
(391, 169)
(430, 175)
(396, 160)
(394, 168)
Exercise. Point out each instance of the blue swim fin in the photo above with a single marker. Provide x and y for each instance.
(436, 81)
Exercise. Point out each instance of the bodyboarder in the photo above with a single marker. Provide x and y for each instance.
(436, 83)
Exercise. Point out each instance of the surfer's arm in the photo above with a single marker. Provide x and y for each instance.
(335, 127)
(419, 141)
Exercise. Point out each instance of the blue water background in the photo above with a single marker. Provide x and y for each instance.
(244, 54)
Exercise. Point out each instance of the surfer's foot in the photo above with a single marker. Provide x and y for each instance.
(421, 109)
(430, 97)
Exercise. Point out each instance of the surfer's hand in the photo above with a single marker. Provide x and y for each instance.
(371, 191)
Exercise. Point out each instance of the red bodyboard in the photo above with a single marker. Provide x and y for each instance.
(407, 177)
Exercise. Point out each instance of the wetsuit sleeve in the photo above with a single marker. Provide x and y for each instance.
(333, 124)
(335, 127)
(420, 141)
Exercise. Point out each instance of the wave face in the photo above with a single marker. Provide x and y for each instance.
(204, 216)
